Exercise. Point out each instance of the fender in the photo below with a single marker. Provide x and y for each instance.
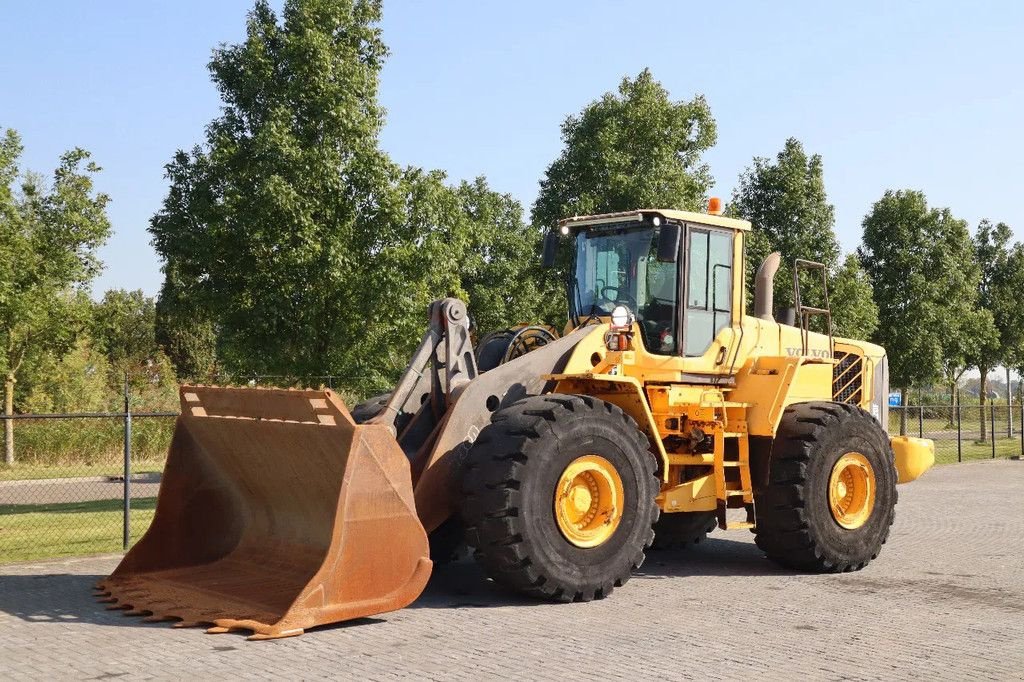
(625, 392)
(769, 384)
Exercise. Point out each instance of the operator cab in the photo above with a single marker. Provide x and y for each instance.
(649, 261)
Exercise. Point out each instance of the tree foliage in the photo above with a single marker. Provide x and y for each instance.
(76, 382)
(786, 203)
(634, 148)
(184, 330)
(851, 297)
(123, 329)
(1001, 281)
(267, 227)
(291, 243)
(50, 232)
(921, 264)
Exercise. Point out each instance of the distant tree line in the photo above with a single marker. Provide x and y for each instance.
(293, 245)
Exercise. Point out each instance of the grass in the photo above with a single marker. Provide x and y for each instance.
(946, 451)
(71, 443)
(49, 531)
(944, 433)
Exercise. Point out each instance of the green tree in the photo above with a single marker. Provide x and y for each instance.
(270, 229)
(123, 328)
(51, 235)
(497, 261)
(292, 244)
(75, 382)
(633, 149)
(1016, 338)
(921, 264)
(786, 202)
(854, 312)
(999, 288)
(466, 241)
(636, 148)
(184, 331)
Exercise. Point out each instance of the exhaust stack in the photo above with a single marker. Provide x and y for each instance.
(764, 287)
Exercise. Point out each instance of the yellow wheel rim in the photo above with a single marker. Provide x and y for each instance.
(588, 501)
(851, 490)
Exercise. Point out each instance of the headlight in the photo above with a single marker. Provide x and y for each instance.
(622, 317)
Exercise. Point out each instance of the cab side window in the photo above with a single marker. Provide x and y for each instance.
(708, 290)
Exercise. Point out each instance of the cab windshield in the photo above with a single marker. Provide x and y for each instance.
(620, 267)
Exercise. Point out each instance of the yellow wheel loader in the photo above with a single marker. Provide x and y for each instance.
(663, 411)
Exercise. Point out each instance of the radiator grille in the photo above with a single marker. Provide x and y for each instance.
(848, 379)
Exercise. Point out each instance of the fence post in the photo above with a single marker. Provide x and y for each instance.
(992, 422)
(126, 529)
(1009, 405)
(959, 433)
(920, 421)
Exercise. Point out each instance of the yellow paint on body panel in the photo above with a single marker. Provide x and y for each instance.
(914, 456)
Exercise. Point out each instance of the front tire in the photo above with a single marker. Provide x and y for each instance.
(558, 497)
(831, 495)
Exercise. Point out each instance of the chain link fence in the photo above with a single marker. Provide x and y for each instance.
(963, 432)
(83, 483)
(87, 483)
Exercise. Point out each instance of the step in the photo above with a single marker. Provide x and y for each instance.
(739, 525)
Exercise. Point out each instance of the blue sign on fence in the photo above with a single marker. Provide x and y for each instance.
(895, 400)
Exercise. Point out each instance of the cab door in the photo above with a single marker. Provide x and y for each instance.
(709, 288)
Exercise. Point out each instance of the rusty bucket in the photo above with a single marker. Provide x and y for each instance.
(276, 513)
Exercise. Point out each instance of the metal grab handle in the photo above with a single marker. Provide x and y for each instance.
(803, 312)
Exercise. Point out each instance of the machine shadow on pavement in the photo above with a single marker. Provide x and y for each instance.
(68, 598)
(56, 598)
(714, 556)
(462, 584)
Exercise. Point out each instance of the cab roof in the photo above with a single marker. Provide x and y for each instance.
(665, 213)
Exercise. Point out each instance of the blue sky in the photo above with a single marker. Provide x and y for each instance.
(924, 95)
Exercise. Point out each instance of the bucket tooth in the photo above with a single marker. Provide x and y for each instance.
(270, 515)
(156, 618)
(259, 636)
(186, 624)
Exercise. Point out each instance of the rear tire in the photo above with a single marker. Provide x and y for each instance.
(797, 526)
(370, 408)
(679, 530)
(511, 485)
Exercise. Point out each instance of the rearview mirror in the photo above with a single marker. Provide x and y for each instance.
(550, 249)
(668, 243)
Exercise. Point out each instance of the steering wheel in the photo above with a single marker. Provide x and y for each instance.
(615, 299)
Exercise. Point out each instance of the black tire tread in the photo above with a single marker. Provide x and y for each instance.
(491, 492)
(782, 530)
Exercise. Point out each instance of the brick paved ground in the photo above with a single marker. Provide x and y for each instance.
(944, 600)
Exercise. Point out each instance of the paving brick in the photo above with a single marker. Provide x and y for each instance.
(944, 600)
